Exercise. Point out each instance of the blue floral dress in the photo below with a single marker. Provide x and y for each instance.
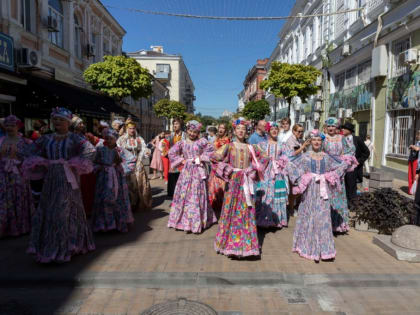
(317, 176)
(271, 194)
(59, 226)
(111, 207)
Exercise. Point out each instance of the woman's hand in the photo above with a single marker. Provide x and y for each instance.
(417, 177)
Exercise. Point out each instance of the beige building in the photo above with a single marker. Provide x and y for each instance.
(54, 42)
(170, 70)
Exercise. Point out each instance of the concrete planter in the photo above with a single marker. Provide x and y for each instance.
(378, 180)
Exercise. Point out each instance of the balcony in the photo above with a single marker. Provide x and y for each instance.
(162, 76)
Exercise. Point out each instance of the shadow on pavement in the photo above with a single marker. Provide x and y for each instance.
(29, 288)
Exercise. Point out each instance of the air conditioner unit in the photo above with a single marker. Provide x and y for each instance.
(346, 51)
(302, 118)
(90, 48)
(348, 113)
(52, 24)
(341, 112)
(28, 58)
(410, 56)
(318, 106)
(379, 62)
(317, 116)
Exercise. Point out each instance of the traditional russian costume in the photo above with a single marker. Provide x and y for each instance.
(59, 226)
(174, 171)
(16, 204)
(190, 208)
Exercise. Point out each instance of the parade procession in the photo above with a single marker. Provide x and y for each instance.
(209, 157)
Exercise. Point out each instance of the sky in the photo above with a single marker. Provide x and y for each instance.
(218, 54)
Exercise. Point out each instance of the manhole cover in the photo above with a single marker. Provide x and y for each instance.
(180, 307)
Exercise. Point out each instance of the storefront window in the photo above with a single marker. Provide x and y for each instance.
(401, 133)
(55, 10)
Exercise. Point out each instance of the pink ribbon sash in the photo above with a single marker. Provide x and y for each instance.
(69, 173)
(322, 185)
(11, 165)
(201, 169)
(112, 179)
(248, 185)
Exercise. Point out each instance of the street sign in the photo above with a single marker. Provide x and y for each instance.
(6, 52)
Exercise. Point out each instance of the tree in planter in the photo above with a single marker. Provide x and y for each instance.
(256, 110)
(170, 109)
(290, 80)
(119, 77)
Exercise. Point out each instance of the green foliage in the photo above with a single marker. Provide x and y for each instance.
(170, 109)
(224, 120)
(189, 116)
(256, 110)
(207, 120)
(119, 77)
(384, 209)
(290, 80)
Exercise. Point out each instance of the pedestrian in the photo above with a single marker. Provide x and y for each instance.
(259, 134)
(112, 208)
(59, 226)
(190, 208)
(212, 134)
(413, 161)
(157, 164)
(217, 184)
(370, 146)
(138, 181)
(164, 149)
(316, 175)
(16, 203)
(240, 165)
(352, 178)
(271, 191)
(286, 132)
(343, 148)
(176, 136)
(117, 125)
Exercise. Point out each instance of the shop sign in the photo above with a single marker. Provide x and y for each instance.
(6, 52)
(357, 99)
(404, 91)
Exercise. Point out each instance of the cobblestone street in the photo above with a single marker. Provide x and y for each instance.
(152, 264)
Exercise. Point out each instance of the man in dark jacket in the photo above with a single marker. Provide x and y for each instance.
(362, 154)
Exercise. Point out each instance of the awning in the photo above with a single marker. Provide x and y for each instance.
(45, 94)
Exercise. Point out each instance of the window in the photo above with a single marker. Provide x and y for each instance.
(77, 38)
(362, 4)
(351, 78)
(401, 132)
(397, 48)
(55, 10)
(93, 40)
(315, 34)
(339, 81)
(363, 72)
(163, 68)
(26, 18)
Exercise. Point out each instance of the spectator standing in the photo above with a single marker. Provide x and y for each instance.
(259, 134)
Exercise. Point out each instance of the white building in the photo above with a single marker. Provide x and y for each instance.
(241, 100)
(170, 70)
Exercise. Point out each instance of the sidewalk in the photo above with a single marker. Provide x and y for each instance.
(151, 264)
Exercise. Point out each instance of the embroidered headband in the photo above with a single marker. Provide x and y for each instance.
(332, 121)
(11, 120)
(62, 113)
(271, 124)
(240, 121)
(315, 133)
(194, 125)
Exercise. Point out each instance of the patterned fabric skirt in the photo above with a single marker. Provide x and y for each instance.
(140, 191)
(110, 213)
(313, 238)
(237, 231)
(59, 226)
(16, 205)
(340, 210)
(271, 203)
(216, 192)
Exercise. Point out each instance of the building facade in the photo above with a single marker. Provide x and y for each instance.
(252, 90)
(54, 41)
(171, 71)
(369, 61)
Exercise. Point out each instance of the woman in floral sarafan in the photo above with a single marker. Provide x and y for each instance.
(317, 176)
(342, 148)
(138, 181)
(240, 165)
(271, 202)
(111, 208)
(216, 184)
(190, 208)
(59, 226)
(16, 204)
